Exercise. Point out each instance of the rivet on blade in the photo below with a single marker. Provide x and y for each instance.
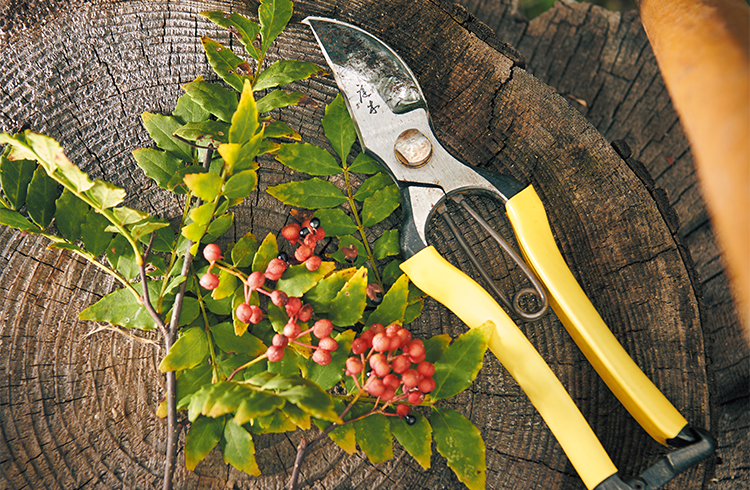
(412, 148)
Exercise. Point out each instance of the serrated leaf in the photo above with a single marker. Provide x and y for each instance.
(245, 119)
(387, 244)
(238, 449)
(309, 194)
(364, 164)
(435, 346)
(200, 217)
(335, 222)
(372, 185)
(190, 381)
(70, 214)
(224, 336)
(307, 158)
(258, 404)
(280, 129)
(189, 111)
(297, 280)
(267, 250)
(415, 438)
(158, 165)
(374, 435)
(93, 233)
(40, 202)
(321, 295)
(121, 256)
(241, 185)
(50, 155)
(190, 349)
(461, 444)
(161, 128)
(225, 63)
(243, 28)
(311, 398)
(204, 185)
(203, 436)
(122, 308)
(461, 361)
(380, 205)
(286, 71)
(14, 219)
(350, 241)
(15, 176)
(274, 16)
(328, 376)
(244, 251)
(219, 101)
(349, 304)
(391, 309)
(339, 128)
(278, 99)
(205, 132)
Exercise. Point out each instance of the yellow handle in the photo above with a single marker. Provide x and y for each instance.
(438, 278)
(636, 392)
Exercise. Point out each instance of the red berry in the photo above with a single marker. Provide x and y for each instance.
(426, 369)
(305, 313)
(353, 366)
(367, 337)
(280, 340)
(256, 314)
(401, 363)
(391, 380)
(359, 346)
(279, 298)
(275, 269)
(291, 232)
(417, 359)
(313, 263)
(275, 354)
(392, 329)
(374, 386)
(381, 342)
(426, 385)
(382, 369)
(322, 357)
(415, 397)
(405, 337)
(388, 394)
(410, 378)
(376, 328)
(302, 253)
(395, 342)
(244, 313)
(210, 281)
(378, 359)
(403, 410)
(255, 280)
(293, 306)
(310, 241)
(327, 343)
(291, 330)
(211, 252)
(320, 233)
(323, 328)
(415, 347)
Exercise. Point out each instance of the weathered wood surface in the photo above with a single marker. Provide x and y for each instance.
(77, 410)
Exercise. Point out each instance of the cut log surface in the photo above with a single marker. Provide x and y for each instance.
(78, 400)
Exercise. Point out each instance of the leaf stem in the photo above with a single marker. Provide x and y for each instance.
(361, 227)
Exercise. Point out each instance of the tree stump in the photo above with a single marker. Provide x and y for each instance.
(77, 401)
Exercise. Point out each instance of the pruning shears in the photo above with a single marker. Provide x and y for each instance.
(393, 126)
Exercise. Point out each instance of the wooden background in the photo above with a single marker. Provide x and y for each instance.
(77, 404)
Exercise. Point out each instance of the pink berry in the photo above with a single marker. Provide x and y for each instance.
(293, 306)
(305, 313)
(426, 369)
(302, 253)
(210, 281)
(279, 298)
(392, 329)
(381, 342)
(280, 340)
(322, 357)
(367, 337)
(275, 354)
(415, 397)
(313, 263)
(310, 241)
(388, 394)
(322, 328)
(403, 410)
(401, 363)
(395, 342)
(244, 313)
(275, 269)
(256, 314)
(374, 386)
(410, 378)
(211, 252)
(291, 232)
(376, 328)
(378, 359)
(391, 380)
(291, 330)
(328, 343)
(359, 346)
(405, 337)
(353, 366)
(426, 385)
(320, 233)
(255, 280)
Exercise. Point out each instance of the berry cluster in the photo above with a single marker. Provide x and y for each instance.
(307, 235)
(398, 370)
(295, 309)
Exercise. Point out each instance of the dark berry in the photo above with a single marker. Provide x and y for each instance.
(315, 222)
(303, 232)
(410, 420)
(283, 256)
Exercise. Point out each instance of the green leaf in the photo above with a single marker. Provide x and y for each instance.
(203, 436)
(16, 220)
(105, 194)
(245, 119)
(343, 435)
(372, 185)
(461, 444)
(205, 185)
(158, 165)
(279, 129)
(93, 234)
(310, 397)
(311, 159)
(243, 28)
(387, 245)
(374, 436)
(321, 295)
(380, 205)
(268, 250)
(244, 251)
(238, 449)
(274, 16)
(40, 202)
(297, 280)
(190, 111)
(391, 310)
(122, 308)
(200, 217)
(349, 241)
(219, 101)
(349, 304)
(339, 128)
(258, 404)
(335, 222)
(190, 381)
(190, 350)
(50, 154)
(391, 272)
(224, 336)
(225, 63)
(15, 176)
(205, 132)
(128, 216)
(147, 227)
(308, 194)
(415, 438)
(460, 363)
(328, 376)
(121, 256)
(286, 71)
(435, 346)
(190, 311)
(163, 239)
(241, 157)
(226, 287)
(241, 185)
(161, 128)
(364, 164)
(278, 99)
